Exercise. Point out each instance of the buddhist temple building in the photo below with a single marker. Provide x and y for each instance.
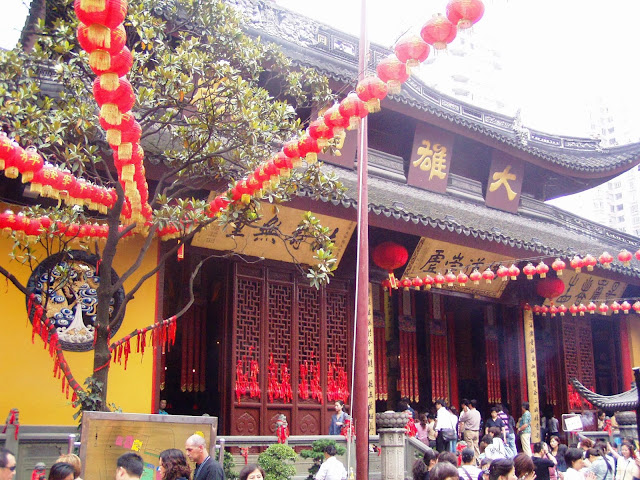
(453, 190)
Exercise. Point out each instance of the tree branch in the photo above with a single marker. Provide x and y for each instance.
(13, 280)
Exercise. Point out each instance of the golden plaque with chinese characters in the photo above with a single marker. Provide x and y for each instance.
(263, 242)
(432, 256)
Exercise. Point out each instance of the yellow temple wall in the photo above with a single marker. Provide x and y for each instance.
(26, 369)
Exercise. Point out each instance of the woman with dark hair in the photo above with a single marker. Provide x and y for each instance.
(252, 472)
(557, 450)
(422, 466)
(502, 469)
(443, 471)
(173, 465)
(61, 471)
(524, 467)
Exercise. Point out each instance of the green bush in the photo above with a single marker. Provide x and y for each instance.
(228, 466)
(317, 454)
(276, 461)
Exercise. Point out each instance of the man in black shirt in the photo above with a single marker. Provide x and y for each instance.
(206, 467)
(542, 460)
(494, 421)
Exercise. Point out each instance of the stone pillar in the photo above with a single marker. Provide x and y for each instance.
(391, 430)
(627, 424)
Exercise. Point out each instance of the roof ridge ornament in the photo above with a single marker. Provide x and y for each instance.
(522, 132)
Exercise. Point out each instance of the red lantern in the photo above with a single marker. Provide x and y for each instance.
(462, 279)
(625, 257)
(439, 32)
(553, 310)
(475, 276)
(308, 148)
(589, 261)
(513, 272)
(606, 259)
(542, 269)
(573, 309)
(114, 132)
(550, 287)
(558, 266)
(412, 50)
(544, 309)
(405, 283)
(31, 163)
(503, 272)
(101, 42)
(393, 72)
(439, 280)
(109, 13)
(291, 150)
(591, 307)
(353, 108)
(637, 254)
(625, 307)
(320, 131)
(11, 158)
(371, 90)
(465, 13)
(582, 309)
(119, 66)
(577, 263)
(636, 307)
(390, 256)
(529, 270)
(488, 275)
(428, 281)
(417, 283)
(615, 307)
(334, 119)
(537, 309)
(450, 278)
(129, 138)
(114, 103)
(603, 308)
(562, 309)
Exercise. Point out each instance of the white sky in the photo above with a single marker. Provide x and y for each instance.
(558, 57)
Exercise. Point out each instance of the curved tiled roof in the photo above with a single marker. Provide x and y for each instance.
(543, 230)
(335, 53)
(622, 401)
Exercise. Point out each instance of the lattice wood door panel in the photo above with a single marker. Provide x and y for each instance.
(276, 315)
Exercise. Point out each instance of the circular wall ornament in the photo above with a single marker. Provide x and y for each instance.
(66, 287)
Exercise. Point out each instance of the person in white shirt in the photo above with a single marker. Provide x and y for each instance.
(446, 424)
(331, 468)
(468, 470)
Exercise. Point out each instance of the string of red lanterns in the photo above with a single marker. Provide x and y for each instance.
(581, 309)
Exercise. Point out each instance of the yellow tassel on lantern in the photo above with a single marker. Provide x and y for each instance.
(99, 35)
(125, 150)
(323, 142)
(93, 5)
(354, 122)
(110, 112)
(27, 177)
(109, 81)
(372, 105)
(114, 137)
(246, 198)
(311, 158)
(11, 172)
(393, 87)
(286, 173)
(100, 59)
(47, 191)
(128, 171)
(36, 188)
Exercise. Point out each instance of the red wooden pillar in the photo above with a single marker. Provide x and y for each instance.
(625, 354)
(453, 364)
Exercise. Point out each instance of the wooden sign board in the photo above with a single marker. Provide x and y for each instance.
(107, 435)
(572, 422)
(262, 241)
(584, 288)
(432, 256)
(505, 182)
(431, 156)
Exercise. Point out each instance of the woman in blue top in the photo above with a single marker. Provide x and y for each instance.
(337, 419)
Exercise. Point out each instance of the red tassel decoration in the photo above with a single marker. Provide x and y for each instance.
(172, 330)
(303, 388)
(143, 342)
(127, 350)
(287, 391)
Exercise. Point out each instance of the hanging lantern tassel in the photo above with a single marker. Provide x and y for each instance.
(181, 252)
(172, 330)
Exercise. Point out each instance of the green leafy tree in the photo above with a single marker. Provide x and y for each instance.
(316, 453)
(213, 103)
(276, 461)
(229, 465)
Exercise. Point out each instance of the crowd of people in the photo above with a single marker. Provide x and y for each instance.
(173, 465)
(496, 457)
